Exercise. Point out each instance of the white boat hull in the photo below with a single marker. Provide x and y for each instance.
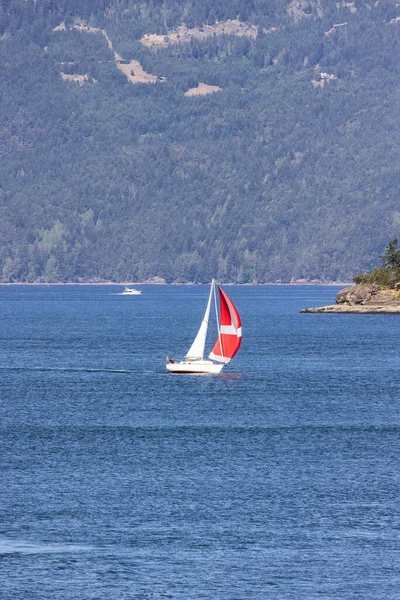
(195, 366)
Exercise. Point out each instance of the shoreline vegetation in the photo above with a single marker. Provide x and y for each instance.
(373, 293)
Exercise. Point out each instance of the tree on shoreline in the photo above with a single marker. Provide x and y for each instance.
(391, 258)
(388, 275)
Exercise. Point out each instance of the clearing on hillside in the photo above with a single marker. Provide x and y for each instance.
(202, 89)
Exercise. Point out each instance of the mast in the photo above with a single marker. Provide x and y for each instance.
(217, 318)
(196, 350)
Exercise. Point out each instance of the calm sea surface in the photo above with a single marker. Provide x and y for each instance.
(277, 479)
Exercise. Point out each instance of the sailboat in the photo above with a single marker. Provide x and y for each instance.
(226, 346)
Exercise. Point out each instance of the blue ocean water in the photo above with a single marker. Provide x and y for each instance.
(277, 479)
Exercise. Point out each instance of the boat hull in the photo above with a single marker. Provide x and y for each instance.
(132, 293)
(198, 366)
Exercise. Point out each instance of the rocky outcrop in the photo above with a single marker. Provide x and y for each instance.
(357, 294)
(362, 299)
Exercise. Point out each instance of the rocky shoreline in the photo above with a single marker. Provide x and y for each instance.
(359, 310)
(362, 299)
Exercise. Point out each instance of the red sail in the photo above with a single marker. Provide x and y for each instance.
(230, 330)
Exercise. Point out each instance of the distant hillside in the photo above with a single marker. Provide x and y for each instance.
(197, 140)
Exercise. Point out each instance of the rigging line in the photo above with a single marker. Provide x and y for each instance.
(208, 317)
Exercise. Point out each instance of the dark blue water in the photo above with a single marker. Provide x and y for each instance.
(278, 479)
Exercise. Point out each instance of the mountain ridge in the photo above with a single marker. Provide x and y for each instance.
(289, 172)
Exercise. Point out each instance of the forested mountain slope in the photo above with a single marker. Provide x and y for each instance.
(289, 170)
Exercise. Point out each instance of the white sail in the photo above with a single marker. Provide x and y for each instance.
(196, 350)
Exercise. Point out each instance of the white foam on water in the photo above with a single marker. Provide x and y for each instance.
(24, 547)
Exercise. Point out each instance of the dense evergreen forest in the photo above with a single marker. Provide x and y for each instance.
(291, 170)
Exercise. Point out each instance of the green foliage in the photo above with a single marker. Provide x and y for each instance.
(382, 277)
(360, 279)
(391, 258)
(389, 275)
(273, 178)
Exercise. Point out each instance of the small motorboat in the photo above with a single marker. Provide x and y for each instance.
(131, 292)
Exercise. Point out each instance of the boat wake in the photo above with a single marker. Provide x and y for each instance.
(23, 547)
(63, 370)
